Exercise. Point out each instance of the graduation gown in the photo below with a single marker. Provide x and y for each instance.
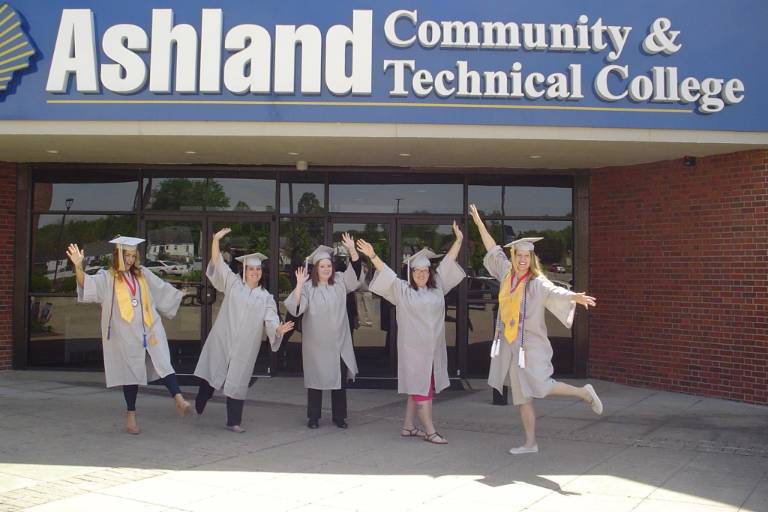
(536, 378)
(230, 351)
(125, 358)
(325, 330)
(420, 317)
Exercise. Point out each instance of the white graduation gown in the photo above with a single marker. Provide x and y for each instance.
(232, 346)
(420, 317)
(536, 378)
(325, 330)
(125, 358)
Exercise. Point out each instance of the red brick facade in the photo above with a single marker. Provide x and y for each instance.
(679, 263)
(7, 240)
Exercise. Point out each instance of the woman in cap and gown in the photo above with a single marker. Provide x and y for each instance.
(247, 313)
(135, 345)
(326, 348)
(521, 353)
(422, 358)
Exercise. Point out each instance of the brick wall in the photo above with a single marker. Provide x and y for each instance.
(679, 264)
(7, 238)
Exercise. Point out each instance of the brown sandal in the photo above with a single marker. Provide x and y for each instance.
(435, 438)
(412, 432)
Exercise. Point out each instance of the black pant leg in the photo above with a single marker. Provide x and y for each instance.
(129, 392)
(314, 403)
(339, 397)
(172, 384)
(234, 412)
(204, 393)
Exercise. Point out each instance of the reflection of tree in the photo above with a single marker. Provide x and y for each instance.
(476, 248)
(183, 193)
(242, 206)
(308, 203)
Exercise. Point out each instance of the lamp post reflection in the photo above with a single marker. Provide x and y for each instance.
(68, 203)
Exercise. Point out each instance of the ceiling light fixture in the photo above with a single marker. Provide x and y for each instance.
(405, 154)
(52, 151)
(190, 152)
(535, 157)
(293, 153)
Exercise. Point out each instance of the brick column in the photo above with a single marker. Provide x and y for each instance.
(679, 264)
(7, 240)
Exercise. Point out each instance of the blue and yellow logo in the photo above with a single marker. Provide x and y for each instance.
(16, 48)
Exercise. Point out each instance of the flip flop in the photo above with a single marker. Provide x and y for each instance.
(435, 438)
(412, 432)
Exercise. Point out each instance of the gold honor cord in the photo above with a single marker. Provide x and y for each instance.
(369, 104)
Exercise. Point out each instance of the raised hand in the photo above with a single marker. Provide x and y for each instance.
(585, 300)
(457, 232)
(284, 328)
(349, 243)
(301, 277)
(365, 248)
(76, 255)
(475, 214)
(222, 233)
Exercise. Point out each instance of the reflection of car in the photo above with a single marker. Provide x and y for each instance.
(164, 268)
(561, 284)
(94, 270)
(197, 264)
(557, 268)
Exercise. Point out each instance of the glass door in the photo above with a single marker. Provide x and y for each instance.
(436, 234)
(247, 236)
(175, 252)
(371, 318)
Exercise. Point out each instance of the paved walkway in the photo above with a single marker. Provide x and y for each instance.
(62, 449)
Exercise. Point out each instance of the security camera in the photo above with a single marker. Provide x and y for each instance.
(689, 161)
(302, 165)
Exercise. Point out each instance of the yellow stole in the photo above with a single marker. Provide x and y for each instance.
(123, 296)
(509, 305)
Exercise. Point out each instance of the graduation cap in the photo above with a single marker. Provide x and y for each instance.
(524, 244)
(122, 243)
(251, 260)
(323, 252)
(420, 259)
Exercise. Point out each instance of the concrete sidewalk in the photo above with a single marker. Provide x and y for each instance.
(62, 448)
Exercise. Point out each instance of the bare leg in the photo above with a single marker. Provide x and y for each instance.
(563, 389)
(528, 415)
(410, 414)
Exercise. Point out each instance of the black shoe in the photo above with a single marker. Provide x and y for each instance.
(341, 423)
(313, 424)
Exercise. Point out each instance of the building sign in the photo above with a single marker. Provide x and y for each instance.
(653, 64)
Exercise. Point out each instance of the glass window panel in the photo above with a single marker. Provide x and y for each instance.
(114, 192)
(369, 314)
(538, 201)
(51, 234)
(242, 195)
(180, 194)
(174, 253)
(63, 332)
(298, 238)
(487, 199)
(302, 198)
(397, 198)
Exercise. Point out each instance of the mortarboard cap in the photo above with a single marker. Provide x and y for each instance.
(252, 260)
(323, 252)
(420, 259)
(127, 241)
(524, 244)
(124, 242)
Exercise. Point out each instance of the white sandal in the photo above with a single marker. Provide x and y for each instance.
(597, 405)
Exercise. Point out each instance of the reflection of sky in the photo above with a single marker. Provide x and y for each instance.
(413, 198)
(93, 196)
(257, 194)
(522, 201)
(45, 220)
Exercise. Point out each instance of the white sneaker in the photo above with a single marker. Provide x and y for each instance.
(597, 405)
(520, 450)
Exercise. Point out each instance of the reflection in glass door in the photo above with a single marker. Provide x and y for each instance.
(246, 238)
(174, 253)
(370, 316)
(439, 237)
